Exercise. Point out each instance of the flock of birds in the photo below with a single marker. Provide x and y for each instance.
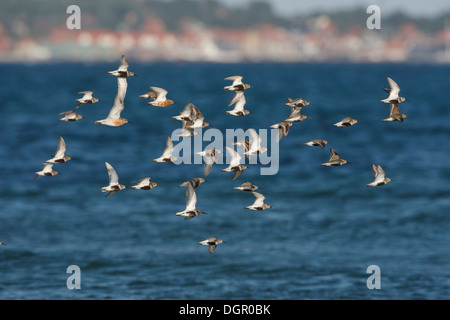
(192, 119)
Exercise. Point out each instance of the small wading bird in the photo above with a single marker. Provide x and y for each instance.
(297, 103)
(144, 184)
(114, 185)
(167, 153)
(317, 143)
(70, 115)
(247, 186)
(212, 243)
(237, 85)
(114, 119)
(160, 100)
(210, 157)
(47, 171)
(60, 156)
(122, 71)
(259, 204)
(395, 114)
(380, 177)
(335, 160)
(235, 165)
(87, 98)
(346, 122)
(393, 93)
(190, 211)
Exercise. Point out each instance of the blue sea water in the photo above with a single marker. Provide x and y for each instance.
(326, 228)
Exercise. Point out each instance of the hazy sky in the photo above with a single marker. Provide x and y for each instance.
(414, 7)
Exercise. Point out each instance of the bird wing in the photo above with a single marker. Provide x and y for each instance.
(395, 109)
(235, 157)
(334, 155)
(146, 180)
(187, 109)
(237, 174)
(215, 155)
(256, 140)
(259, 199)
(86, 94)
(198, 117)
(212, 248)
(374, 170)
(207, 169)
(67, 113)
(169, 148)
(118, 106)
(239, 106)
(295, 111)
(395, 89)
(61, 148)
(246, 185)
(244, 144)
(186, 124)
(113, 177)
(346, 119)
(237, 96)
(48, 167)
(285, 125)
(192, 198)
(140, 181)
(161, 93)
(124, 64)
(236, 79)
(381, 174)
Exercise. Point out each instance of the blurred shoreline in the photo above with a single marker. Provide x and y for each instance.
(339, 37)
